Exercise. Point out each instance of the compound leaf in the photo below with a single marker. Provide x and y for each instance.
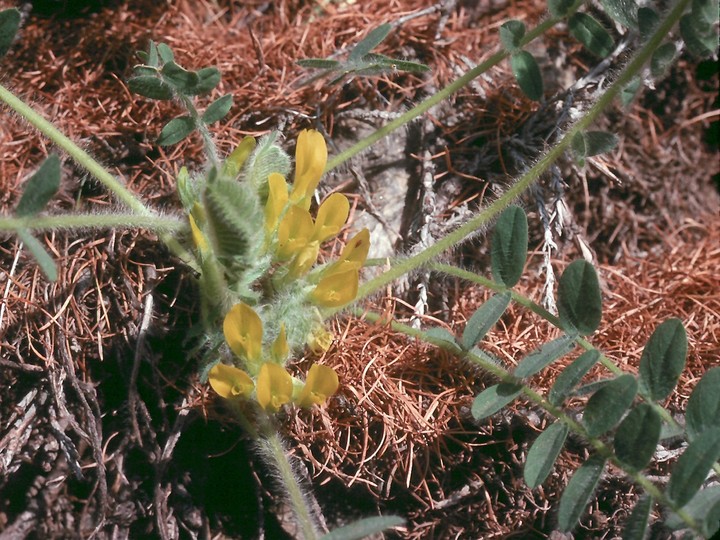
(218, 109)
(592, 34)
(176, 130)
(663, 360)
(508, 249)
(544, 356)
(372, 40)
(571, 376)
(578, 492)
(703, 408)
(579, 300)
(493, 399)
(693, 466)
(607, 406)
(484, 319)
(9, 24)
(636, 525)
(527, 73)
(40, 188)
(637, 435)
(543, 453)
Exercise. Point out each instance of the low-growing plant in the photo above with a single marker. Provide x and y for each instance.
(250, 238)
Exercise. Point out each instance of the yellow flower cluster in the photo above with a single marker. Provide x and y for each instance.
(275, 387)
(296, 237)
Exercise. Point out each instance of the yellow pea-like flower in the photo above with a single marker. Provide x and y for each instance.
(280, 348)
(319, 340)
(276, 202)
(199, 238)
(238, 157)
(321, 382)
(294, 232)
(331, 216)
(353, 255)
(337, 289)
(274, 387)
(310, 161)
(243, 332)
(230, 382)
(304, 260)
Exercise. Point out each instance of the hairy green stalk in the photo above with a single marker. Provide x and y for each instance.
(93, 221)
(404, 266)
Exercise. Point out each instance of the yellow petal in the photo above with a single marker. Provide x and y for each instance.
(319, 340)
(243, 331)
(310, 161)
(274, 387)
(238, 157)
(230, 382)
(280, 348)
(198, 237)
(276, 202)
(294, 232)
(304, 260)
(337, 289)
(322, 382)
(331, 216)
(353, 255)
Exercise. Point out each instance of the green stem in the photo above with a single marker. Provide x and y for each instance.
(84, 159)
(201, 126)
(599, 446)
(443, 94)
(407, 265)
(93, 221)
(275, 451)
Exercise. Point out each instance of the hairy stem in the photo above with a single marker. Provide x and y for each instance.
(93, 221)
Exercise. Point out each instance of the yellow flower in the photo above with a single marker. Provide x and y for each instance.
(198, 237)
(230, 382)
(280, 349)
(274, 387)
(276, 202)
(331, 216)
(319, 340)
(243, 332)
(310, 161)
(304, 260)
(353, 256)
(337, 289)
(294, 232)
(322, 382)
(238, 157)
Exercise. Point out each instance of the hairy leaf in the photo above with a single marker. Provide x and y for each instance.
(693, 466)
(36, 249)
(623, 11)
(637, 435)
(179, 77)
(364, 528)
(40, 188)
(663, 360)
(579, 300)
(176, 130)
(592, 34)
(578, 492)
(700, 38)
(218, 109)
(543, 453)
(208, 78)
(484, 319)
(165, 53)
(630, 90)
(527, 73)
(648, 20)
(318, 63)
(706, 11)
(441, 336)
(661, 59)
(559, 8)
(636, 525)
(704, 507)
(703, 408)
(511, 34)
(508, 249)
(493, 399)
(9, 24)
(372, 40)
(571, 376)
(151, 87)
(607, 406)
(544, 356)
